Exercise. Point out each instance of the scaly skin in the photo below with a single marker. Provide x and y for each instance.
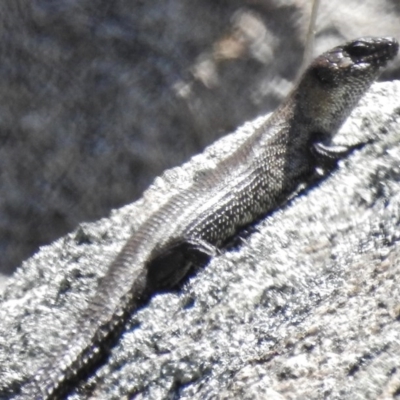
(252, 181)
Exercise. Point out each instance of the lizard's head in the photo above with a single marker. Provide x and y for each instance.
(335, 81)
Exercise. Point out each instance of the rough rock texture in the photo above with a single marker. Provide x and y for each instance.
(308, 307)
(99, 97)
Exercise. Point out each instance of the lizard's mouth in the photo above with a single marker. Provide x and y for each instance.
(373, 51)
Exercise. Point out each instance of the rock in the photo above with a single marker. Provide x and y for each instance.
(307, 306)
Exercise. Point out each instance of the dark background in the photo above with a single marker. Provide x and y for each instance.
(99, 97)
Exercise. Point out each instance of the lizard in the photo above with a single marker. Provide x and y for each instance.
(190, 228)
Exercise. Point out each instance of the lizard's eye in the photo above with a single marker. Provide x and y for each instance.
(360, 50)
